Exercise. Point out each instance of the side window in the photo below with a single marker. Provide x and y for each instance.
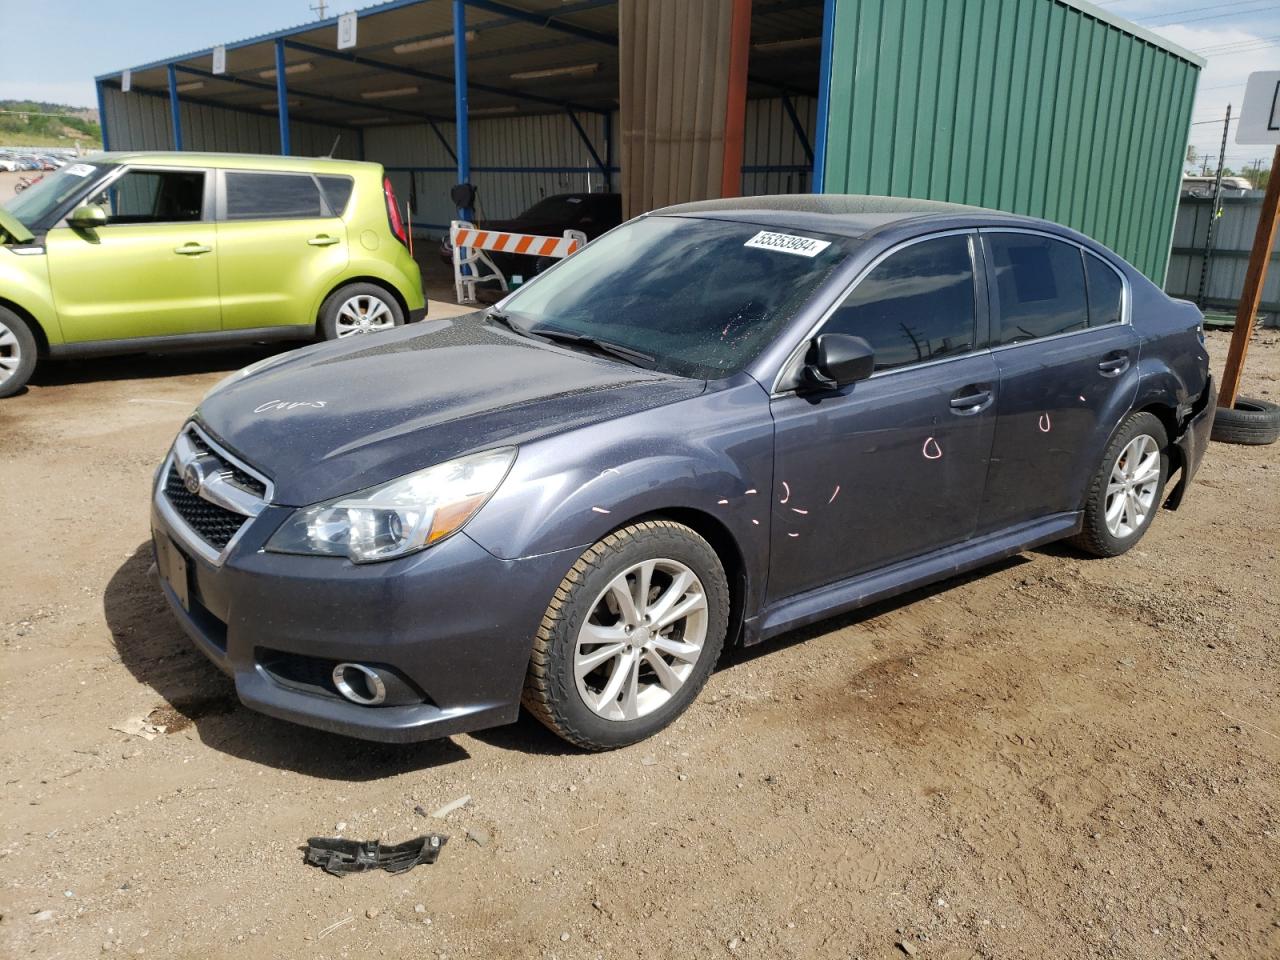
(1039, 289)
(272, 196)
(1106, 292)
(154, 196)
(917, 305)
(337, 191)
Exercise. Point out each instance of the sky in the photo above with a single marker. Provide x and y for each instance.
(52, 49)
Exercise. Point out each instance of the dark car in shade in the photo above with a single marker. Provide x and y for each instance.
(715, 424)
(591, 213)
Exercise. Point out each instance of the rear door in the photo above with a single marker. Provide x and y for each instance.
(151, 270)
(281, 245)
(891, 467)
(1067, 359)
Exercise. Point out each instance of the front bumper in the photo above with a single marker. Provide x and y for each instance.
(1192, 442)
(454, 622)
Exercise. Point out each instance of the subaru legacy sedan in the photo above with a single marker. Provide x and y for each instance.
(714, 424)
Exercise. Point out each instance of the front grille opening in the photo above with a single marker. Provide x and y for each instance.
(215, 524)
(233, 474)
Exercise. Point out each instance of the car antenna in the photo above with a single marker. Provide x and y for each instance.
(334, 148)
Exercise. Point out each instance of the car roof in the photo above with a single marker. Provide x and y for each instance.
(849, 215)
(238, 161)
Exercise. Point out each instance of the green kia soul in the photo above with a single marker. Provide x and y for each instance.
(143, 251)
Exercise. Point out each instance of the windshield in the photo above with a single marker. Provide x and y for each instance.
(702, 297)
(35, 204)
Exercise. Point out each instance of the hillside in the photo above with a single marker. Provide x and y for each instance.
(27, 123)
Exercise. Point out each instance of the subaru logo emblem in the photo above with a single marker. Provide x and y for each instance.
(193, 477)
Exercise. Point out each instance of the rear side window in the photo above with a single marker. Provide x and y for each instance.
(272, 196)
(1106, 292)
(337, 192)
(1039, 289)
(917, 305)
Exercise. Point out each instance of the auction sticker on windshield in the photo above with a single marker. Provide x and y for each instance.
(787, 243)
(79, 170)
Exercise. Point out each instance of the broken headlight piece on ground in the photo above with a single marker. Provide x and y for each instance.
(340, 857)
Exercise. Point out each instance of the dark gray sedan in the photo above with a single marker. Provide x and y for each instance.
(714, 424)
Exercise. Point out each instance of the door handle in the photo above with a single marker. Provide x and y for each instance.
(1113, 364)
(192, 249)
(973, 401)
(323, 240)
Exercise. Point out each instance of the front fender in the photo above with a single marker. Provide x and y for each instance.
(24, 283)
(712, 454)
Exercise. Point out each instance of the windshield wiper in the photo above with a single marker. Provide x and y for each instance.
(494, 315)
(616, 350)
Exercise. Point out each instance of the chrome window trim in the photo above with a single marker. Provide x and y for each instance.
(188, 537)
(1126, 297)
(803, 345)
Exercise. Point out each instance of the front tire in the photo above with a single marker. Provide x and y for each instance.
(357, 309)
(1128, 488)
(17, 353)
(630, 636)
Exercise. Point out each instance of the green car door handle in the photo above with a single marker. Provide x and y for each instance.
(323, 240)
(192, 249)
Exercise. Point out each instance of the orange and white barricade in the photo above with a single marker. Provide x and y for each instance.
(470, 243)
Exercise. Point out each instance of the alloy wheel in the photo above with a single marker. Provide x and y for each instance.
(363, 313)
(10, 353)
(642, 640)
(1131, 491)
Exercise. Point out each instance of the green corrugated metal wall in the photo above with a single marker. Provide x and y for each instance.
(1028, 106)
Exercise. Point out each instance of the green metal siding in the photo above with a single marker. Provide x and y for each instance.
(1029, 106)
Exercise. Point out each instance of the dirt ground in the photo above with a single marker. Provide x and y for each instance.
(1057, 758)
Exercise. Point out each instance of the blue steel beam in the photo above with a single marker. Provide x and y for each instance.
(175, 114)
(461, 128)
(282, 99)
(604, 167)
(549, 23)
(799, 127)
(435, 77)
(824, 95)
(102, 115)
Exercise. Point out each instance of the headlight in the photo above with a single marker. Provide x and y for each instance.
(399, 517)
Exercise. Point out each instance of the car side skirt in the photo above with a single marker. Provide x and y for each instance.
(846, 595)
(183, 341)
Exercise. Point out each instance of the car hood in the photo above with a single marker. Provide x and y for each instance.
(337, 417)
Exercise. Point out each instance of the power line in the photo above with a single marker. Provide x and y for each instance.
(1219, 6)
(1234, 44)
(1213, 16)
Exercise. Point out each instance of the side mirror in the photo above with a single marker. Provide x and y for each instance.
(839, 359)
(88, 216)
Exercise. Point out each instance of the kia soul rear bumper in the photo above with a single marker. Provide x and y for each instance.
(451, 628)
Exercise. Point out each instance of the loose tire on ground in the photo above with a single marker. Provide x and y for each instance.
(342, 310)
(17, 353)
(552, 684)
(1251, 421)
(1097, 536)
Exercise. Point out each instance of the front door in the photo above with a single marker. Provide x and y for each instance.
(1068, 373)
(280, 245)
(150, 271)
(894, 466)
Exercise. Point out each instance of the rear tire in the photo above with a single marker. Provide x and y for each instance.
(643, 613)
(1127, 489)
(17, 353)
(359, 308)
(1251, 421)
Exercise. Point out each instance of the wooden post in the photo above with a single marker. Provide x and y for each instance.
(1251, 296)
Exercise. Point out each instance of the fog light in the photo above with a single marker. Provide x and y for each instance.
(359, 684)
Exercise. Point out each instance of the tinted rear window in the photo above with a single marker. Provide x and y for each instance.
(272, 196)
(1106, 292)
(1039, 287)
(337, 191)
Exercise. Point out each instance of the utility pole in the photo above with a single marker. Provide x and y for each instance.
(1207, 257)
(319, 9)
